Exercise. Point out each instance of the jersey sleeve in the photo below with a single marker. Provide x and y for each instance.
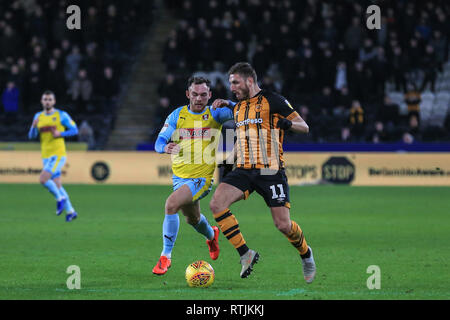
(222, 115)
(69, 124)
(280, 105)
(167, 130)
(33, 133)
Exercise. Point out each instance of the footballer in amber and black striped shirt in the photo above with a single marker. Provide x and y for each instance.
(261, 117)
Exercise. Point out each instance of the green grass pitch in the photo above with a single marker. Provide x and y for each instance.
(117, 240)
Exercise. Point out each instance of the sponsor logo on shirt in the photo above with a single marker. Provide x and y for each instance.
(47, 128)
(194, 133)
(249, 121)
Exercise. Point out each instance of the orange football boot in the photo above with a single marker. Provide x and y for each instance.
(162, 265)
(214, 244)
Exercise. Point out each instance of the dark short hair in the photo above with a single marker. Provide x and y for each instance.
(48, 92)
(199, 80)
(243, 69)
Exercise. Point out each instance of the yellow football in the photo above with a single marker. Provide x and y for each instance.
(199, 274)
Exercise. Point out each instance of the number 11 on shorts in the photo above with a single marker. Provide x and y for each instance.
(274, 191)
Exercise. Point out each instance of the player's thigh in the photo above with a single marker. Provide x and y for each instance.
(192, 212)
(178, 198)
(52, 167)
(235, 186)
(225, 195)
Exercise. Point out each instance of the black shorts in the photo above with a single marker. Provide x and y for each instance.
(274, 188)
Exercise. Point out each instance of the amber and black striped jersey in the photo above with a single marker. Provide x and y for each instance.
(259, 142)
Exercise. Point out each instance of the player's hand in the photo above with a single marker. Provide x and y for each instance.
(284, 124)
(172, 148)
(56, 133)
(219, 103)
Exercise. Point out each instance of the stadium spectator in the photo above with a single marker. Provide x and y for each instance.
(359, 81)
(379, 70)
(368, 52)
(324, 100)
(353, 38)
(219, 90)
(267, 83)
(10, 100)
(172, 55)
(399, 66)
(73, 61)
(414, 129)
(430, 66)
(54, 78)
(356, 120)
(378, 133)
(81, 91)
(162, 111)
(388, 113)
(343, 100)
(17, 75)
(413, 98)
(9, 42)
(260, 59)
(346, 135)
(439, 44)
(170, 88)
(39, 53)
(34, 85)
(108, 89)
(341, 76)
(86, 134)
(407, 138)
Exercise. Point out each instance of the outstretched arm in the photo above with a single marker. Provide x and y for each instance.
(221, 103)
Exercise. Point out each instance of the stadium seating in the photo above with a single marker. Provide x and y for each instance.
(342, 40)
(109, 38)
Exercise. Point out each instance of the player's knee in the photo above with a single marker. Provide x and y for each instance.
(171, 207)
(216, 205)
(193, 221)
(43, 180)
(283, 225)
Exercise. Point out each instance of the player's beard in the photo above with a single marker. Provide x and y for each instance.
(245, 94)
(47, 108)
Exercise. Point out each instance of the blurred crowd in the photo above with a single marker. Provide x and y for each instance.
(85, 68)
(321, 56)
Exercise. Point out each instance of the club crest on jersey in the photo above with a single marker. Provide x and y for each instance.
(258, 108)
(54, 118)
(205, 117)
